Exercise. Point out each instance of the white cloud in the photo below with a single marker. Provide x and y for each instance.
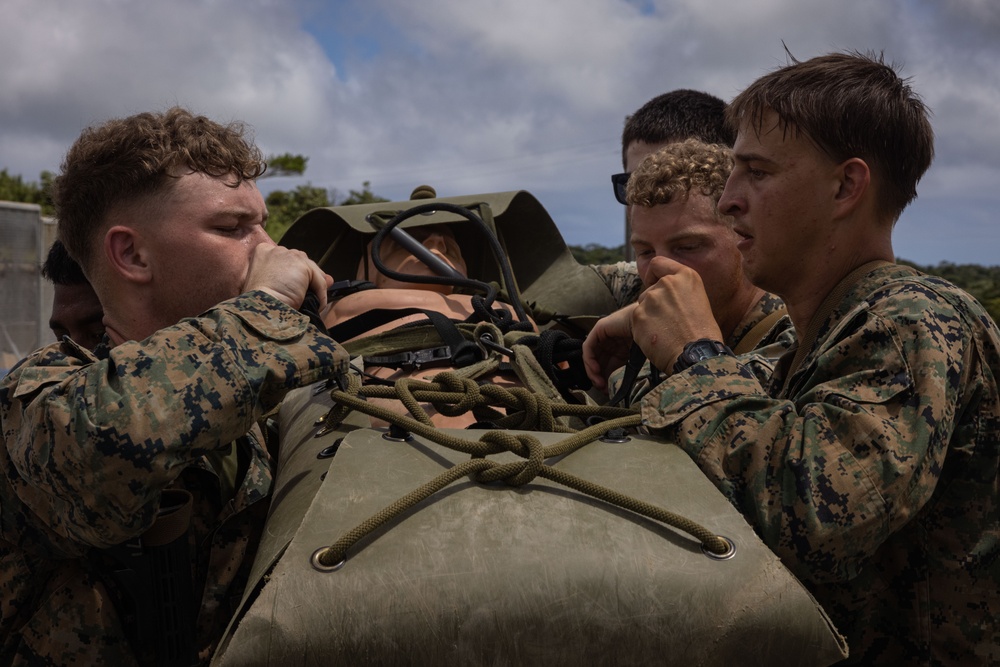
(476, 96)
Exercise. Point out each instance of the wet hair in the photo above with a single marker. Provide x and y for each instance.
(675, 170)
(61, 269)
(676, 116)
(127, 159)
(849, 105)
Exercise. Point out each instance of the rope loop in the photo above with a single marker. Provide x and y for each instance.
(466, 390)
(517, 473)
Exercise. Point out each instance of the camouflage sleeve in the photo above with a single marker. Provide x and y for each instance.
(852, 453)
(622, 279)
(89, 444)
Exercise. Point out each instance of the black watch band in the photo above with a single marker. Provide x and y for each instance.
(699, 350)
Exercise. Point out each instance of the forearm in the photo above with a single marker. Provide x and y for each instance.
(820, 477)
(92, 445)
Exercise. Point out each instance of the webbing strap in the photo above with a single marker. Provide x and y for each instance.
(376, 317)
(758, 332)
(636, 359)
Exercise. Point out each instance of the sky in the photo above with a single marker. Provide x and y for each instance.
(478, 96)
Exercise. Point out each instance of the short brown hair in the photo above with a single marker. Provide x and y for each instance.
(850, 105)
(676, 116)
(677, 169)
(125, 159)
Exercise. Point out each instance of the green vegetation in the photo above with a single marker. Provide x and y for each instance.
(592, 253)
(982, 282)
(285, 206)
(285, 164)
(14, 188)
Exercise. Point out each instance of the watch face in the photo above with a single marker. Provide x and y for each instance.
(702, 351)
(697, 351)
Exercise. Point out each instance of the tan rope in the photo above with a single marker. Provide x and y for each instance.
(515, 473)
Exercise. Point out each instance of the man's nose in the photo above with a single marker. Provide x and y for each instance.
(261, 236)
(730, 203)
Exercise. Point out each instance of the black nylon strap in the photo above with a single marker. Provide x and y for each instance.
(457, 350)
(636, 358)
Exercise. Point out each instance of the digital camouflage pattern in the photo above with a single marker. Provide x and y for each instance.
(622, 279)
(770, 345)
(90, 443)
(869, 464)
(625, 285)
(768, 303)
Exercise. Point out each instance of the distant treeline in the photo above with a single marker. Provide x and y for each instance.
(982, 282)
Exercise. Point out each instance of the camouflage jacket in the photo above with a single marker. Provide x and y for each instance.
(869, 464)
(622, 279)
(767, 347)
(90, 443)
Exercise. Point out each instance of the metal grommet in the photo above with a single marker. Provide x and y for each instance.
(725, 555)
(315, 562)
(397, 434)
(616, 435)
(330, 450)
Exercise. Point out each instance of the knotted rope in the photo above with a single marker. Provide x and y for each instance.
(456, 394)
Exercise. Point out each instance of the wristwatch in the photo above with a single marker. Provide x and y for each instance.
(699, 350)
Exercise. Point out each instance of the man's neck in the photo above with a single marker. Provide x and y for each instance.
(741, 307)
(129, 317)
(803, 300)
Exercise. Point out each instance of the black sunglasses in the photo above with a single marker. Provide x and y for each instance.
(619, 181)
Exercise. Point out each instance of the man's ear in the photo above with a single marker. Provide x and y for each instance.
(124, 249)
(855, 181)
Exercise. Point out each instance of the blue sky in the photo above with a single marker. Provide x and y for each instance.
(483, 96)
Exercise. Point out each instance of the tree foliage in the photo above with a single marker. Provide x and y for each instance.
(15, 188)
(982, 282)
(286, 206)
(594, 253)
(285, 164)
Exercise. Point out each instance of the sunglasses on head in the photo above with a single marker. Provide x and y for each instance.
(619, 181)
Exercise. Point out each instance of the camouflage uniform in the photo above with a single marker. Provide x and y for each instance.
(622, 279)
(869, 464)
(769, 345)
(89, 444)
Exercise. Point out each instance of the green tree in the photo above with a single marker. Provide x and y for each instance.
(285, 164)
(594, 253)
(15, 188)
(982, 282)
(364, 196)
(287, 206)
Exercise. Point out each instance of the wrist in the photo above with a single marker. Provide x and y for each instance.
(700, 350)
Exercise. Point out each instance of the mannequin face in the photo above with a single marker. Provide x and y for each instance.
(439, 239)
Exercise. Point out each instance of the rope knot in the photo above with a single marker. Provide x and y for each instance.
(516, 473)
(451, 382)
